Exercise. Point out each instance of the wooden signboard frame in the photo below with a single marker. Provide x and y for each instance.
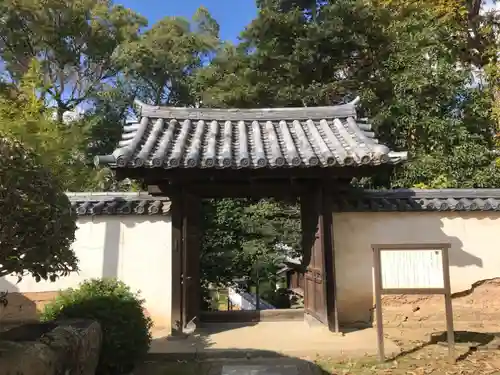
(445, 290)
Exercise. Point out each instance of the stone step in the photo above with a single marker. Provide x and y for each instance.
(254, 366)
(259, 370)
(269, 366)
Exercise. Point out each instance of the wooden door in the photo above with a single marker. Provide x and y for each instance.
(317, 244)
(190, 276)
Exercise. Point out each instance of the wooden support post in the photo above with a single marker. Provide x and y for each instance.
(191, 288)
(175, 268)
(329, 259)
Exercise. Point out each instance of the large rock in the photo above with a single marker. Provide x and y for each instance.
(63, 347)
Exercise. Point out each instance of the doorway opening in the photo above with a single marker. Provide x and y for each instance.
(250, 258)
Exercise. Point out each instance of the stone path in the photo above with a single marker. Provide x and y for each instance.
(256, 366)
(259, 370)
(267, 339)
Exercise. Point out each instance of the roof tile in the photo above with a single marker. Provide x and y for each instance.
(287, 137)
(89, 204)
(418, 200)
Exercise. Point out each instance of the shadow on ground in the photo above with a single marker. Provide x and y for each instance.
(472, 341)
(260, 363)
(267, 339)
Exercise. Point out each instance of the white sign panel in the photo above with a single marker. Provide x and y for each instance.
(411, 269)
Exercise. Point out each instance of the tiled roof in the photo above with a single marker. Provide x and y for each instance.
(255, 138)
(118, 204)
(347, 201)
(418, 200)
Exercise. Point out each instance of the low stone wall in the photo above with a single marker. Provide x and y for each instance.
(25, 307)
(61, 347)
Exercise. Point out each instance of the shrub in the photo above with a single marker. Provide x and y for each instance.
(126, 330)
(278, 298)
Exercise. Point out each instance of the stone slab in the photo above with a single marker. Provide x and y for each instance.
(259, 370)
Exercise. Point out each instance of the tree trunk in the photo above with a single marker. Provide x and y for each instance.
(257, 291)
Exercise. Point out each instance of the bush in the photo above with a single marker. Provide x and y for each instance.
(126, 330)
(278, 298)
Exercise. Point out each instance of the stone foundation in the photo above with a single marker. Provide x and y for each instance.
(26, 307)
(61, 347)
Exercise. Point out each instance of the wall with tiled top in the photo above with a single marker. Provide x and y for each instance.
(474, 254)
(134, 249)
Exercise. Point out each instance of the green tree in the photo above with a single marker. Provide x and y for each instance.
(66, 149)
(416, 89)
(37, 226)
(162, 61)
(244, 239)
(76, 43)
(272, 233)
(24, 116)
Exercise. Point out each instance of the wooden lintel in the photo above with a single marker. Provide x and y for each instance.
(278, 189)
(184, 175)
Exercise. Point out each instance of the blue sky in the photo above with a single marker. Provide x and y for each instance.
(232, 15)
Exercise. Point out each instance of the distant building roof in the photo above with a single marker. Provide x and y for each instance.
(166, 137)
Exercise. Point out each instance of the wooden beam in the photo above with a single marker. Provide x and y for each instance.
(189, 175)
(283, 190)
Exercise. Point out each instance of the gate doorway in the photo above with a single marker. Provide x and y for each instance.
(190, 154)
(249, 248)
(317, 258)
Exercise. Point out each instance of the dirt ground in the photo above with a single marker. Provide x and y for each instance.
(475, 354)
(417, 325)
(432, 360)
(474, 307)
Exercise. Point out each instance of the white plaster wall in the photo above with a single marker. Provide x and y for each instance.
(474, 253)
(134, 249)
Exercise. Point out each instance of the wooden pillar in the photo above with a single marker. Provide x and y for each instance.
(191, 288)
(317, 244)
(329, 256)
(175, 269)
(186, 243)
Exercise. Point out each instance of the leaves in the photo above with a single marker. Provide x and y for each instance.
(32, 203)
(119, 311)
(161, 62)
(418, 90)
(61, 147)
(75, 43)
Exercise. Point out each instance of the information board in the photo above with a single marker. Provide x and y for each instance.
(412, 269)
